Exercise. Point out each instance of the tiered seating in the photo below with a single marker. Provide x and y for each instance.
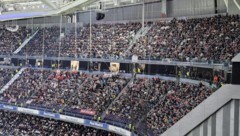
(21, 124)
(108, 40)
(25, 86)
(138, 99)
(80, 93)
(89, 93)
(10, 41)
(200, 39)
(65, 90)
(6, 75)
(169, 103)
(175, 105)
(46, 38)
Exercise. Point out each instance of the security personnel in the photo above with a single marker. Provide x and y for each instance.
(99, 119)
(179, 74)
(188, 74)
(130, 126)
(53, 65)
(138, 70)
(133, 128)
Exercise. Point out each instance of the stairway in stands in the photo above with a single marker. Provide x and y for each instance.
(25, 43)
(104, 113)
(5, 87)
(140, 33)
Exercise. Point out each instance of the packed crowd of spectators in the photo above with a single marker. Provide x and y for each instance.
(199, 39)
(138, 99)
(91, 93)
(108, 40)
(167, 101)
(10, 41)
(154, 102)
(45, 43)
(5, 75)
(25, 85)
(19, 124)
(177, 102)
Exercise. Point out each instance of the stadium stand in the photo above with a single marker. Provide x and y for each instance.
(6, 75)
(10, 41)
(44, 42)
(198, 39)
(134, 72)
(21, 124)
(92, 94)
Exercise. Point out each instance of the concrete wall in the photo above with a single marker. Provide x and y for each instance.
(234, 6)
(221, 6)
(190, 7)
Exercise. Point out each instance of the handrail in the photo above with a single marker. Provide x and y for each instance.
(126, 60)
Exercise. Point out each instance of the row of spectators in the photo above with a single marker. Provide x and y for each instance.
(80, 93)
(25, 85)
(10, 41)
(168, 102)
(91, 93)
(174, 105)
(6, 75)
(108, 41)
(19, 124)
(44, 42)
(199, 39)
(138, 99)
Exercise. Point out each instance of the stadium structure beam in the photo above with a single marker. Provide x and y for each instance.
(49, 3)
(78, 4)
(70, 8)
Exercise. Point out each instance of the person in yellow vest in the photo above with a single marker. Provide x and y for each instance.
(133, 128)
(188, 74)
(130, 126)
(138, 70)
(53, 65)
(179, 74)
(20, 64)
(99, 119)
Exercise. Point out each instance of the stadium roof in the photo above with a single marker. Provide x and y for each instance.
(18, 9)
